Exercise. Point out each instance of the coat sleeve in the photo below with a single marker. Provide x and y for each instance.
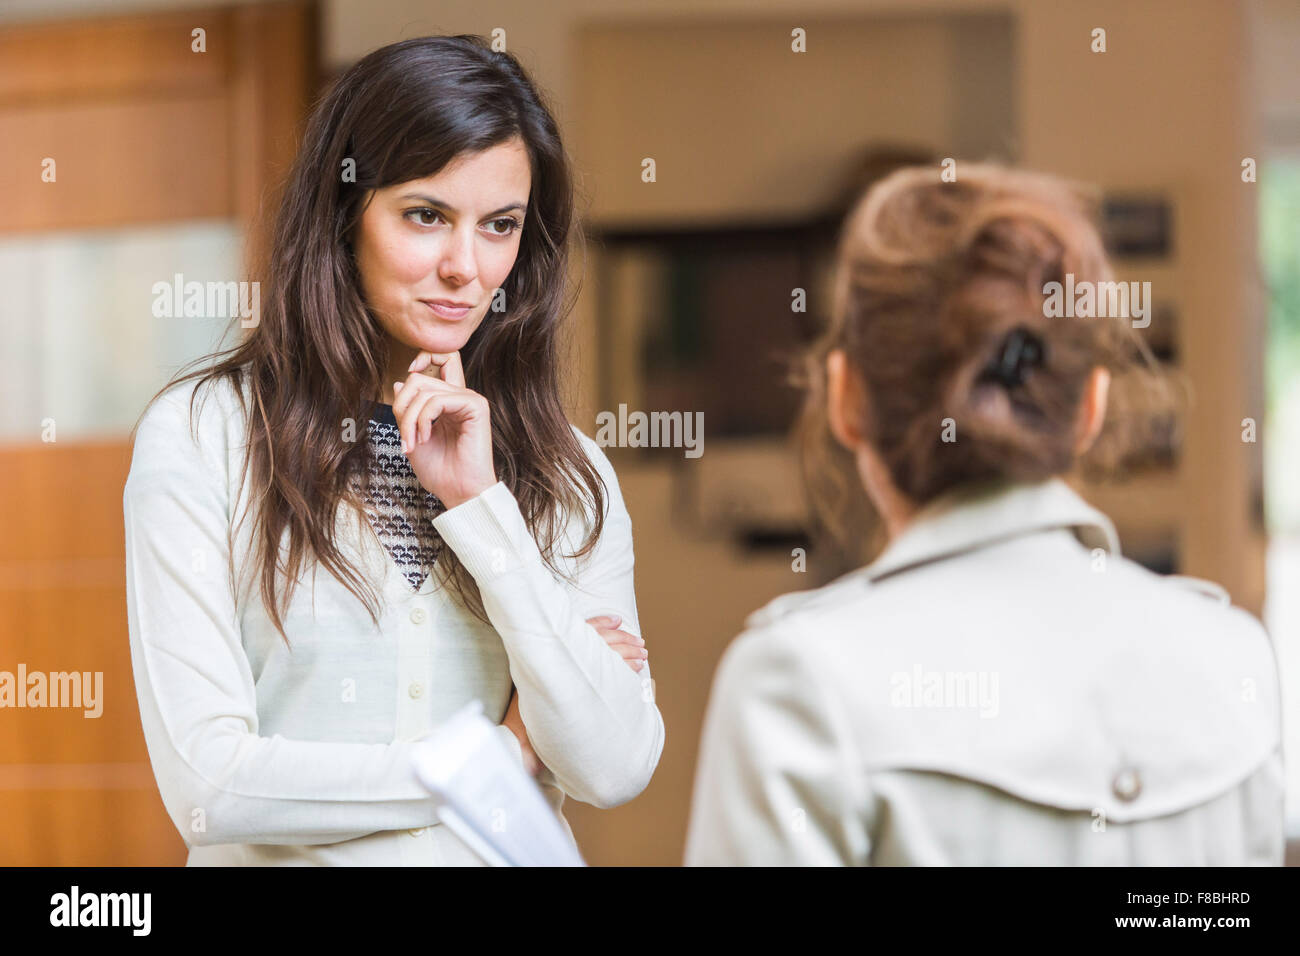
(591, 719)
(220, 780)
(778, 781)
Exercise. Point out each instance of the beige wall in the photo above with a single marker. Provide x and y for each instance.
(723, 108)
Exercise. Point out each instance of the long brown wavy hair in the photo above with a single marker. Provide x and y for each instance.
(318, 355)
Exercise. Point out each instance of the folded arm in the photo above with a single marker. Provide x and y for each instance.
(591, 719)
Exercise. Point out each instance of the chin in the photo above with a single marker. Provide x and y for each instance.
(449, 338)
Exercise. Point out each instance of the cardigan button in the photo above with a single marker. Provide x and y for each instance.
(1127, 784)
(417, 615)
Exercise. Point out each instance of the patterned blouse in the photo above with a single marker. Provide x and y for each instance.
(399, 508)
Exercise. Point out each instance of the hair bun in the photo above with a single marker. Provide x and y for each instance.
(1021, 351)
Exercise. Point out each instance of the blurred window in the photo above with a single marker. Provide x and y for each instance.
(79, 340)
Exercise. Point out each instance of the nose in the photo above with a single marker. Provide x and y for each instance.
(458, 264)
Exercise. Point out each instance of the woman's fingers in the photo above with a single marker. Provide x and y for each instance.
(423, 360)
(408, 420)
(446, 365)
(416, 383)
(634, 656)
(628, 646)
(425, 406)
(453, 373)
(606, 627)
(415, 392)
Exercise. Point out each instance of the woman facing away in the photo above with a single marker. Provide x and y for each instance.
(394, 420)
(1000, 686)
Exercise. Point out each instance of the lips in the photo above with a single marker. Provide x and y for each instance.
(448, 308)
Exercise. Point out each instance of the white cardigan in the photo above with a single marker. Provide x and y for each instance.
(267, 754)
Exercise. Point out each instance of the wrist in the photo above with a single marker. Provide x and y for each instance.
(460, 497)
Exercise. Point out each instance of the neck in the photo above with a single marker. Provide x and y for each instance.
(896, 509)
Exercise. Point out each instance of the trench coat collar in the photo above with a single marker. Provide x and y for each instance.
(964, 520)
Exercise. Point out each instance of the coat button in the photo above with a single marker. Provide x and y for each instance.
(416, 688)
(1127, 784)
(417, 615)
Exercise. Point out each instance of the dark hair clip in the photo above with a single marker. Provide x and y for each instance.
(1020, 351)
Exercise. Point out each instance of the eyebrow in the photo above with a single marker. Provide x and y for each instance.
(450, 208)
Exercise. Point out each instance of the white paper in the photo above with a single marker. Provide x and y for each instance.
(486, 798)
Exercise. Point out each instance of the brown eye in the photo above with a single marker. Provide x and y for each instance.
(508, 221)
(420, 213)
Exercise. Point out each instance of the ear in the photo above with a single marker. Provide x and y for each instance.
(845, 401)
(1092, 410)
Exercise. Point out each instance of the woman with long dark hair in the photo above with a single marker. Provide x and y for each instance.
(394, 420)
(1000, 685)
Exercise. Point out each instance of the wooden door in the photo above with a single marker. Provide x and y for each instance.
(143, 119)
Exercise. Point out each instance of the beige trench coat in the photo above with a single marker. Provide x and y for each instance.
(999, 687)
